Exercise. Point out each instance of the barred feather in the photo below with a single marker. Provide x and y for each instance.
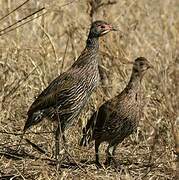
(69, 92)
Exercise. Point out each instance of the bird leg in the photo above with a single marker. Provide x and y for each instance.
(65, 147)
(59, 135)
(57, 147)
(97, 144)
(110, 155)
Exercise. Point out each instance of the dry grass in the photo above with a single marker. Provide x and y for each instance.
(33, 55)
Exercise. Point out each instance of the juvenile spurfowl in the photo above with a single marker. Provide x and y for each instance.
(66, 96)
(117, 118)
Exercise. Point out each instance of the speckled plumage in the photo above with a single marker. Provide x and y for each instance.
(117, 118)
(69, 92)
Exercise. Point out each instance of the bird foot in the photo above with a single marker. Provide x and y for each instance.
(58, 165)
(107, 163)
(117, 165)
(67, 158)
(98, 165)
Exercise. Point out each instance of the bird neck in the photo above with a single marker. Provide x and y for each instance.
(92, 43)
(88, 55)
(134, 82)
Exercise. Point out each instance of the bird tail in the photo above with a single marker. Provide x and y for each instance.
(34, 119)
(88, 130)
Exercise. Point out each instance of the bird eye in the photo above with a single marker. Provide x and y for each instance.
(102, 26)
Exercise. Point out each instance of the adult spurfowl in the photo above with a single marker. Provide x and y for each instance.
(117, 118)
(67, 95)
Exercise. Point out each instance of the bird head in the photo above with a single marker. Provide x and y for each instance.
(141, 64)
(100, 28)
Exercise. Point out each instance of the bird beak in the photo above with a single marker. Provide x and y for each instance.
(112, 28)
(150, 66)
(108, 28)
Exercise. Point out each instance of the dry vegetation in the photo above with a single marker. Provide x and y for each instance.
(34, 54)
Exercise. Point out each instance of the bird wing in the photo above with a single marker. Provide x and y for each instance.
(96, 122)
(103, 115)
(117, 113)
(58, 90)
(109, 113)
(88, 130)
